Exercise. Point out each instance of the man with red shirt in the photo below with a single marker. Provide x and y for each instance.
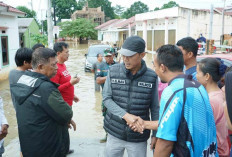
(63, 77)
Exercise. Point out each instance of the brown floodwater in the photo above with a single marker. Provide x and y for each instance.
(87, 112)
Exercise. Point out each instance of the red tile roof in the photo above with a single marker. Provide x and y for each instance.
(106, 24)
(10, 8)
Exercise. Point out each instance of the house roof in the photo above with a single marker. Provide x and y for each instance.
(11, 9)
(124, 24)
(219, 10)
(24, 22)
(106, 24)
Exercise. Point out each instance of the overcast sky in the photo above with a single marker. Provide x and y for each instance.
(41, 5)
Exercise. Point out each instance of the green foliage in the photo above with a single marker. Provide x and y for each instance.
(39, 38)
(64, 8)
(170, 4)
(136, 8)
(80, 28)
(156, 8)
(29, 13)
(45, 27)
(118, 10)
(80, 4)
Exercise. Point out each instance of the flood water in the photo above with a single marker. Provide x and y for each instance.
(87, 112)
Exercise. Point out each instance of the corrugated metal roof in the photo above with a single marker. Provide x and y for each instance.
(125, 23)
(106, 24)
(24, 22)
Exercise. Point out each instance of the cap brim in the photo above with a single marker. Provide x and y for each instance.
(108, 54)
(126, 52)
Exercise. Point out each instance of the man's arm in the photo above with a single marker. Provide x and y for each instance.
(111, 106)
(163, 148)
(56, 107)
(4, 124)
(93, 68)
(100, 80)
(154, 108)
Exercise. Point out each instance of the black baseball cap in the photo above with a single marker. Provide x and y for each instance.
(133, 45)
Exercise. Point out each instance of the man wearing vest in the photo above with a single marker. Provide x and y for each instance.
(130, 91)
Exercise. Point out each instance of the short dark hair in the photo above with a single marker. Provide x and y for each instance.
(23, 54)
(42, 56)
(98, 55)
(58, 47)
(214, 67)
(171, 56)
(38, 45)
(189, 44)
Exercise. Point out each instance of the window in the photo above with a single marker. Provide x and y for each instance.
(4, 47)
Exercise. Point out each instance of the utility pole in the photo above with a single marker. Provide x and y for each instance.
(49, 25)
(223, 18)
(32, 5)
(211, 22)
(54, 7)
(188, 28)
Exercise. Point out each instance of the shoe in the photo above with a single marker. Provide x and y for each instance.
(70, 151)
(103, 140)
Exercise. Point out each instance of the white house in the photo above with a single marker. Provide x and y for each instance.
(167, 26)
(9, 37)
(116, 30)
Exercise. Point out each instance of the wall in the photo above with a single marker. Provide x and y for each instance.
(13, 42)
(32, 29)
(199, 23)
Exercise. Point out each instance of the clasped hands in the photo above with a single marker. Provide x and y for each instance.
(134, 122)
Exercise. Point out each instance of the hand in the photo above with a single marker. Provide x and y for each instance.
(153, 143)
(76, 99)
(4, 131)
(75, 80)
(72, 124)
(138, 125)
(134, 122)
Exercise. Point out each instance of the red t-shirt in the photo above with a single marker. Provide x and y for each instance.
(66, 88)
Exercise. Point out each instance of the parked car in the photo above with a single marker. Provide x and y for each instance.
(91, 56)
(227, 58)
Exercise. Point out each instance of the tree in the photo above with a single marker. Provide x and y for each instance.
(156, 8)
(64, 8)
(39, 38)
(29, 13)
(80, 4)
(80, 28)
(105, 5)
(170, 4)
(118, 10)
(136, 8)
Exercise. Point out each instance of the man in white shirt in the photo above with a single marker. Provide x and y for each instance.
(3, 127)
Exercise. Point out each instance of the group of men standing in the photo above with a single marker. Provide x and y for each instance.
(182, 122)
(42, 93)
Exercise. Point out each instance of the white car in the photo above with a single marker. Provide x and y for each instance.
(91, 56)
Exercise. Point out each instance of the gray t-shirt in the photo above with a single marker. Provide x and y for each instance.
(96, 66)
(13, 79)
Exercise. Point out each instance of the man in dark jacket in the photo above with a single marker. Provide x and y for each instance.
(130, 91)
(42, 114)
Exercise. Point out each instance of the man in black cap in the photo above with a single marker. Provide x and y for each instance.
(130, 91)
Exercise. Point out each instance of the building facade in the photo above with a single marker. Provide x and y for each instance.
(9, 38)
(94, 14)
(167, 26)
